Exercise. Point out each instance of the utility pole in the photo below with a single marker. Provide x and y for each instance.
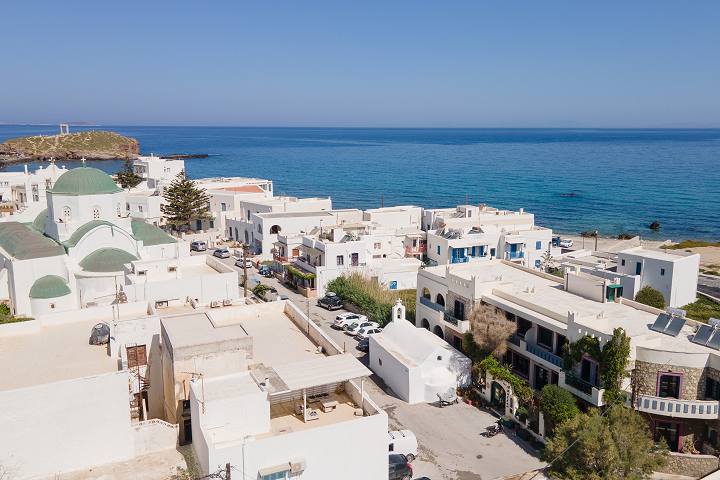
(382, 200)
(227, 471)
(245, 252)
(596, 239)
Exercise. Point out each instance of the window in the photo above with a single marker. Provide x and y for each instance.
(377, 245)
(212, 223)
(340, 260)
(670, 432)
(440, 300)
(140, 208)
(136, 356)
(638, 268)
(622, 262)
(669, 385)
(712, 389)
(538, 263)
(492, 253)
(67, 214)
(459, 310)
(545, 337)
(118, 209)
(523, 326)
(276, 476)
(96, 212)
(662, 272)
(438, 249)
(380, 361)
(223, 207)
(426, 293)
(538, 245)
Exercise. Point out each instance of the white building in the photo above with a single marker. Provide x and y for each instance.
(23, 194)
(77, 251)
(270, 412)
(471, 233)
(157, 172)
(675, 276)
(416, 364)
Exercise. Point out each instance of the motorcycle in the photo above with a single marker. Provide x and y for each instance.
(493, 429)
(444, 403)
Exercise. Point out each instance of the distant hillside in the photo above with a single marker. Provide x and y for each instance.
(93, 145)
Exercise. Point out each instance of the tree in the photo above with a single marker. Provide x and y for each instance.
(490, 329)
(126, 176)
(599, 447)
(184, 202)
(547, 262)
(557, 405)
(649, 296)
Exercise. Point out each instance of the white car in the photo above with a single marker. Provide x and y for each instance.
(221, 252)
(348, 318)
(364, 332)
(239, 263)
(404, 442)
(355, 327)
(566, 243)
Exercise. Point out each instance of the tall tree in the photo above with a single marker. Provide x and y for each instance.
(603, 447)
(184, 202)
(126, 176)
(490, 329)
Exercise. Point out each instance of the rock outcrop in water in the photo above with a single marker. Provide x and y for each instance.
(93, 145)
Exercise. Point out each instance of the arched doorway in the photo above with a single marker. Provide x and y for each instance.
(440, 300)
(425, 324)
(497, 396)
(438, 331)
(275, 229)
(426, 293)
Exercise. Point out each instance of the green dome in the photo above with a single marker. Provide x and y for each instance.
(85, 181)
(106, 260)
(49, 286)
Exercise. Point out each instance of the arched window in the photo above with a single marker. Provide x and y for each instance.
(425, 324)
(438, 331)
(96, 212)
(440, 300)
(67, 214)
(426, 293)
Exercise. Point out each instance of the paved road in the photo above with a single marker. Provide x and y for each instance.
(450, 445)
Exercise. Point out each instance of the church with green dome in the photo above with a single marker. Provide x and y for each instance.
(81, 248)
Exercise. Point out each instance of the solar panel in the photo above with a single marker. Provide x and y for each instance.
(715, 340)
(661, 323)
(703, 334)
(675, 326)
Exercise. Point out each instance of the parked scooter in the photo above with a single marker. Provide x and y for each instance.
(493, 429)
(444, 403)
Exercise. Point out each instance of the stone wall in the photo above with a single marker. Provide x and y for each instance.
(695, 466)
(450, 304)
(646, 376)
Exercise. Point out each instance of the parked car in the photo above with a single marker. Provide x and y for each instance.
(356, 326)
(330, 302)
(363, 345)
(347, 319)
(404, 442)
(399, 467)
(265, 271)
(566, 243)
(239, 263)
(198, 246)
(221, 253)
(364, 332)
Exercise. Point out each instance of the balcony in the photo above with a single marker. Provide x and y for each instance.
(515, 340)
(580, 388)
(430, 304)
(460, 326)
(545, 355)
(672, 407)
(459, 259)
(418, 250)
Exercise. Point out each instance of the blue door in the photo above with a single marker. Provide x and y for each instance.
(638, 268)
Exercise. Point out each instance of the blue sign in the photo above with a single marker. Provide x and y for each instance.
(393, 285)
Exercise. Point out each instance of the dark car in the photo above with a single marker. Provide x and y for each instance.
(330, 301)
(364, 345)
(399, 467)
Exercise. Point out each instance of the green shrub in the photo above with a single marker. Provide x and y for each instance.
(371, 298)
(557, 405)
(520, 387)
(4, 309)
(650, 296)
(260, 289)
(702, 309)
(691, 244)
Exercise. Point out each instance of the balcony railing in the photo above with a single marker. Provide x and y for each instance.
(410, 250)
(672, 407)
(515, 340)
(450, 318)
(430, 304)
(578, 383)
(514, 255)
(459, 259)
(545, 355)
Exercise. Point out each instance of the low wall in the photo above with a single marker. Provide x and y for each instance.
(687, 464)
(19, 328)
(311, 330)
(154, 436)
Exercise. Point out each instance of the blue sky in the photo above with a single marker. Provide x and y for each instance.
(398, 63)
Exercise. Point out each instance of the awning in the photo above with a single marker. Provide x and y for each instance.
(321, 371)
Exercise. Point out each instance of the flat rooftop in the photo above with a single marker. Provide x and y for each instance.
(319, 213)
(52, 354)
(655, 254)
(196, 328)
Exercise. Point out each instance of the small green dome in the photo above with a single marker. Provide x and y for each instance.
(85, 181)
(49, 286)
(106, 260)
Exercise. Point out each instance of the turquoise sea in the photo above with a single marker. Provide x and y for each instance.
(572, 179)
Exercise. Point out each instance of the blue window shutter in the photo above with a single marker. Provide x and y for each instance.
(538, 245)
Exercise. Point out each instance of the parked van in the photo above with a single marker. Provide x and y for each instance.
(404, 442)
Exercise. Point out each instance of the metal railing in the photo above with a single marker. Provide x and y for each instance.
(459, 259)
(515, 340)
(514, 255)
(578, 383)
(450, 318)
(544, 354)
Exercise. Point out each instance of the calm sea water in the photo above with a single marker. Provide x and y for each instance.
(621, 180)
